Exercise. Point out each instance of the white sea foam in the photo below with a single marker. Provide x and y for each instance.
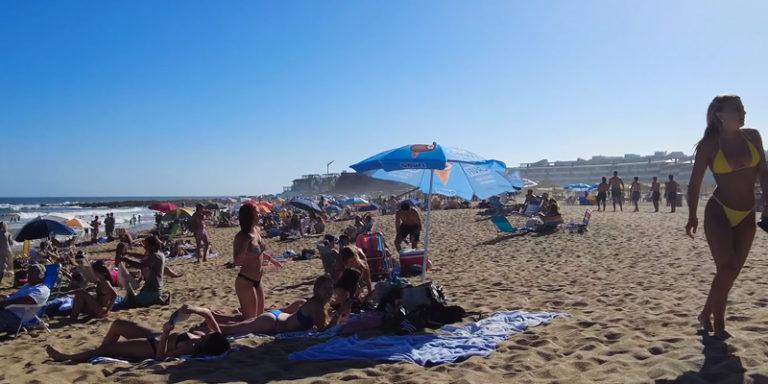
(18, 207)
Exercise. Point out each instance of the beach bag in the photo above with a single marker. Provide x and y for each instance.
(534, 223)
(421, 295)
(435, 315)
(20, 272)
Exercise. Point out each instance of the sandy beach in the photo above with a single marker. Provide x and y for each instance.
(632, 287)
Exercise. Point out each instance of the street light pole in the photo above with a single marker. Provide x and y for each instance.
(328, 167)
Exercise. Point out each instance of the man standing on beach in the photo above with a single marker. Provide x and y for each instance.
(634, 191)
(201, 234)
(655, 193)
(617, 191)
(95, 224)
(670, 188)
(109, 224)
(602, 193)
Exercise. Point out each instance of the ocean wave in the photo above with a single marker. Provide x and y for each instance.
(18, 207)
(122, 215)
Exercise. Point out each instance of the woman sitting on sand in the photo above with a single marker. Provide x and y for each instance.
(100, 304)
(551, 211)
(737, 160)
(146, 343)
(312, 313)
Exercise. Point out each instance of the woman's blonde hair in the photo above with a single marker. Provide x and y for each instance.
(713, 122)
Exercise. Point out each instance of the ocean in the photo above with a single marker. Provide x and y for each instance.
(29, 208)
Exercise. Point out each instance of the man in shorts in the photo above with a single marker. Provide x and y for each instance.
(197, 222)
(634, 193)
(602, 193)
(655, 193)
(407, 224)
(670, 188)
(617, 190)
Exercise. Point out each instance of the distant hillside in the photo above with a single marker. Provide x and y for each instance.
(358, 183)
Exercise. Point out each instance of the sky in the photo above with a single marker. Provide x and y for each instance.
(207, 98)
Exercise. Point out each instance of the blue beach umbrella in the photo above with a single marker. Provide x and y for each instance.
(42, 228)
(307, 205)
(459, 173)
(462, 173)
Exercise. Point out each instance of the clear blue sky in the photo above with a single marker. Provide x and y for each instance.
(216, 98)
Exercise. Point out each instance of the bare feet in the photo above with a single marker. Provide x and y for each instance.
(722, 334)
(167, 300)
(705, 325)
(55, 355)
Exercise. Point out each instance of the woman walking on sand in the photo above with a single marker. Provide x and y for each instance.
(735, 156)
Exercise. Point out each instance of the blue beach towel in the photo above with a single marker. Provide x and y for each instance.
(449, 344)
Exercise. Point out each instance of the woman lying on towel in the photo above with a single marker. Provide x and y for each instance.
(312, 313)
(143, 343)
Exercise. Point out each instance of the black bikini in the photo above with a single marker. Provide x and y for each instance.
(255, 282)
(179, 339)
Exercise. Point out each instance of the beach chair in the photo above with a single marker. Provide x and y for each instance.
(32, 312)
(506, 228)
(31, 317)
(581, 227)
(531, 209)
(377, 255)
(51, 276)
(503, 225)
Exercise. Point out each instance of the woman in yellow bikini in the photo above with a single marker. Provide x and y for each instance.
(736, 158)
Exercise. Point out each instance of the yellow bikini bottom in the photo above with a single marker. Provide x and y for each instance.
(734, 216)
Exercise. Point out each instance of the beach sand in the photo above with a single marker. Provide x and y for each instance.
(632, 286)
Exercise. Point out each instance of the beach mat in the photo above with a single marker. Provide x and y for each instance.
(449, 344)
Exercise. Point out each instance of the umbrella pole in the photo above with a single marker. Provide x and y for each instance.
(426, 234)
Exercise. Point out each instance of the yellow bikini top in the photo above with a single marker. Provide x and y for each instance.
(720, 163)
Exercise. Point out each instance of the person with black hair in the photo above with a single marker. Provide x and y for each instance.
(351, 261)
(100, 304)
(152, 268)
(197, 223)
(248, 251)
(407, 224)
(143, 343)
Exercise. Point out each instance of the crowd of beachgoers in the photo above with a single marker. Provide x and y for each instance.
(366, 281)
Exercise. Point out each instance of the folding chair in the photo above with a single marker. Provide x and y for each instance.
(30, 316)
(379, 260)
(503, 225)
